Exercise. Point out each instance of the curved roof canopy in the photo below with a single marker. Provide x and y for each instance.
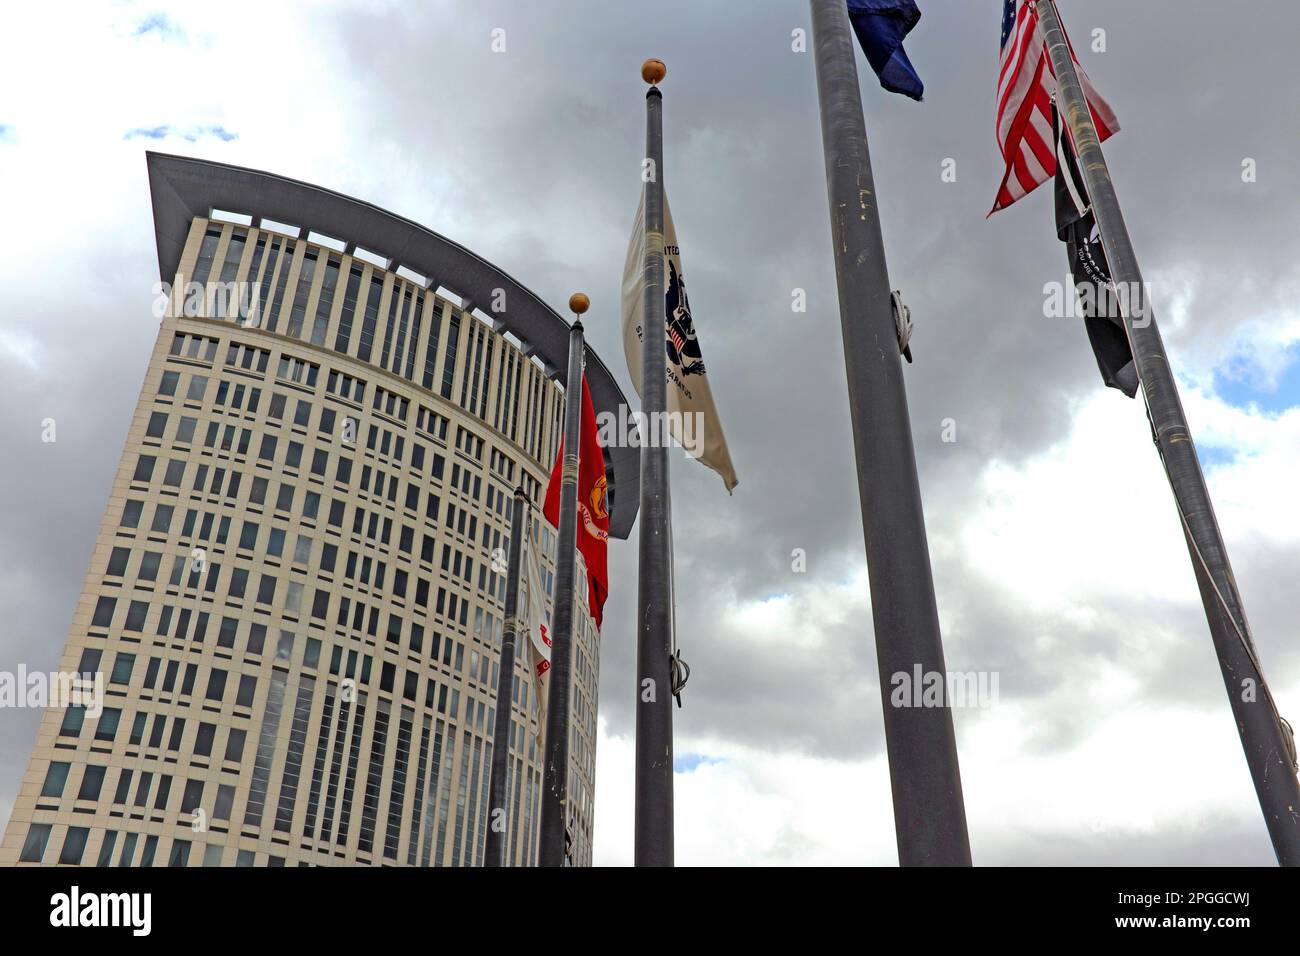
(183, 188)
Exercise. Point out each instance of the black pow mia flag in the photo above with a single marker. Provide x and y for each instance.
(1077, 228)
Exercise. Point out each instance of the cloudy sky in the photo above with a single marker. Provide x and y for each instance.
(1056, 549)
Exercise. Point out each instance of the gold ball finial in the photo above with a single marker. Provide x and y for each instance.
(653, 71)
(579, 303)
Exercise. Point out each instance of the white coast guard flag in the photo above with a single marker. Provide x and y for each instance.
(536, 621)
(689, 395)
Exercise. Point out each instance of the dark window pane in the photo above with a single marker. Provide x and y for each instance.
(106, 728)
(216, 684)
(92, 781)
(56, 776)
(157, 425)
(203, 740)
(192, 796)
(235, 745)
(162, 519)
(122, 667)
(38, 835)
(73, 720)
(247, 688)
(117, 562)
(74, 845)
(143, 468)
(131, 514)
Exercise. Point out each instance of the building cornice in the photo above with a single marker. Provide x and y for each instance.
(183, 188)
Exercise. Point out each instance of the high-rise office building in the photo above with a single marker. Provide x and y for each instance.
(296, 596)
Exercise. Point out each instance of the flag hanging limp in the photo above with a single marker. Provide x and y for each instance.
(881, 26)
(692, 415)
(1077, 228)
(593, 513)
(1026, 85)
(535, 619)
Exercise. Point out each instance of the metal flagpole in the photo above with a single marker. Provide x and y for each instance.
(929, 815)
(654, 638)
(555, 783)
(1269, 746)
(498, 799)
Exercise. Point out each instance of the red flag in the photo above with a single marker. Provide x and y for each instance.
(593, 516)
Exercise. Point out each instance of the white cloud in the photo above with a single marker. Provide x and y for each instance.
(1063, 534)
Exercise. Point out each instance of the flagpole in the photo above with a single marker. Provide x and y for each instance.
(552, 849)
(1269, 747)
(653, 831)
(929, 815)
(498, 798)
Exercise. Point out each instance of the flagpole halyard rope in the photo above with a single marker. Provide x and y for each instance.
(1288, 737)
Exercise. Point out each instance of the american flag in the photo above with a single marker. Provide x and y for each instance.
(679, 343)
(1026, 84)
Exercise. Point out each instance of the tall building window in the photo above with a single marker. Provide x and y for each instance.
(180, 853)
(350, 779)
(38, 836)
(336, 763)
(462, 799)
(374, 778)
(246, 291)
(431, 810)
(325, 303)
(265, 750)
(397, 791)
(417, 807)
(293, 758)
(431, 348)
(106, 849)
(371, 315)
(480, 837)
(396, 316)
(407, 369)
(449, 357)
(300, 296)
(261, 305)
(56, 776)
(207, 252)
(92, 781)
(234, 253)
(344, 335)
(473, 360)
(74, 845)
(489, 348)
(286, 266)
(318, 770)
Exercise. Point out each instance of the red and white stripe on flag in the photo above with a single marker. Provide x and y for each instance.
(1026, 83)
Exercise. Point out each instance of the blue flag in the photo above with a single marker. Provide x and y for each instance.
(881, 26)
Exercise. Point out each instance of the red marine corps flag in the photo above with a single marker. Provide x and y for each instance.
(593, 516)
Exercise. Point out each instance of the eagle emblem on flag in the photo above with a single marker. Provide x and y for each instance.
(683, 347)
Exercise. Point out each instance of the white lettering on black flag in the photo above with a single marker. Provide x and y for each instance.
(689, 394)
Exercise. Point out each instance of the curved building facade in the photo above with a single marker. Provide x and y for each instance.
(295, 601)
